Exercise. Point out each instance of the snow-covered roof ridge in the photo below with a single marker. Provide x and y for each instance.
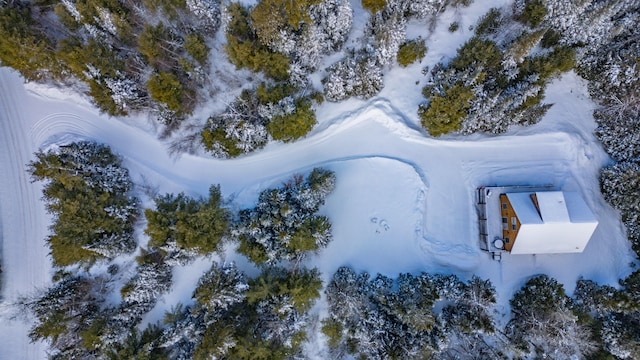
(552, 206)
(551, 222)
(524, 208)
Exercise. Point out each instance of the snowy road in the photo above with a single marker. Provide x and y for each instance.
(23, 221)
(404, 202)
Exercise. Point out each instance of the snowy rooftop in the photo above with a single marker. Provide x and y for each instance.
(523, 206)
(564, 225)
(553, 207)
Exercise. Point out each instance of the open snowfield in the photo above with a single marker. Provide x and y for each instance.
(404, 202)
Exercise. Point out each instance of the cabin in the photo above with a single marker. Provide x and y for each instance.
(545, 222)
(533, 220)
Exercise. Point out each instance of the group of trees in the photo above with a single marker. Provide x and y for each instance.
(430, 316)
(597, 322)
(412, 317)
(360, 73)
(612, 314)
(497, 78)
(234, 317)
(237, 317)
(609, 62)
(88, 192)
(143, 56)
(284, 41)
(90, 314)
(182, 223)
(284, 224)
(545, 324)
(154, 55)
(277, 112)
(610, 65)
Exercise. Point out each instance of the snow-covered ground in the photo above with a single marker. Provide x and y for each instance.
(404, 202)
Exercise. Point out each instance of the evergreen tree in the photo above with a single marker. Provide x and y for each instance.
(291, 127)
(374, 6)
(245, 50)
(138, 346)
(68, 316)
(238, 130)
(620, 185)
(207, 328)
(271, 17)
(195, 46)
(533, 13)
(191, 224)
(88, 192)
(283, 226)
(544, 323)
(165, 87)
(410, 52)
(23, 46)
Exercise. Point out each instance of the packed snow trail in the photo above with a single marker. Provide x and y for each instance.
(385, 167)
(23, 223)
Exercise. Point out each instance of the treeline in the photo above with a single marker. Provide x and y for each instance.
(613, 73)
(154, 56)
(90, 313)
(498, 77)
(284, 41)
(131, 55)
(429, 316)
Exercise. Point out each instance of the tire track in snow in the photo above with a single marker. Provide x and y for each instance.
(21, 213)
(56, 124)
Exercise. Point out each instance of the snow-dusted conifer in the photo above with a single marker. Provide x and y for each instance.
(283, 226)
(543, 322)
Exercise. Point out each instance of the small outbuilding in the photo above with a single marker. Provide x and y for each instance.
(545, 222)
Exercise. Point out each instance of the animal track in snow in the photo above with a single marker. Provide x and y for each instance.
(382, 225)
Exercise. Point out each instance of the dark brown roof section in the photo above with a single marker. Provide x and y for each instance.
(534, 198)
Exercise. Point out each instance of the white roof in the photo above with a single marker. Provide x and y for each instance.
(553, 207)
(564, 224)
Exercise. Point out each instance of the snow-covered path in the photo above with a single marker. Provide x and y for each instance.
(23, 221)
(404, 202)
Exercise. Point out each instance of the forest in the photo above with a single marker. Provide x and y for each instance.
(232, 315)
(167, 58)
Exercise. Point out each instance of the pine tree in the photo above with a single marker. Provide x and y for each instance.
(191, 224)
(410, 52)
(165, 88)
(283, 226)
(88, 192)
(544, 323)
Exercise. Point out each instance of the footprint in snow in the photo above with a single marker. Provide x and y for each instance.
(382, 225)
